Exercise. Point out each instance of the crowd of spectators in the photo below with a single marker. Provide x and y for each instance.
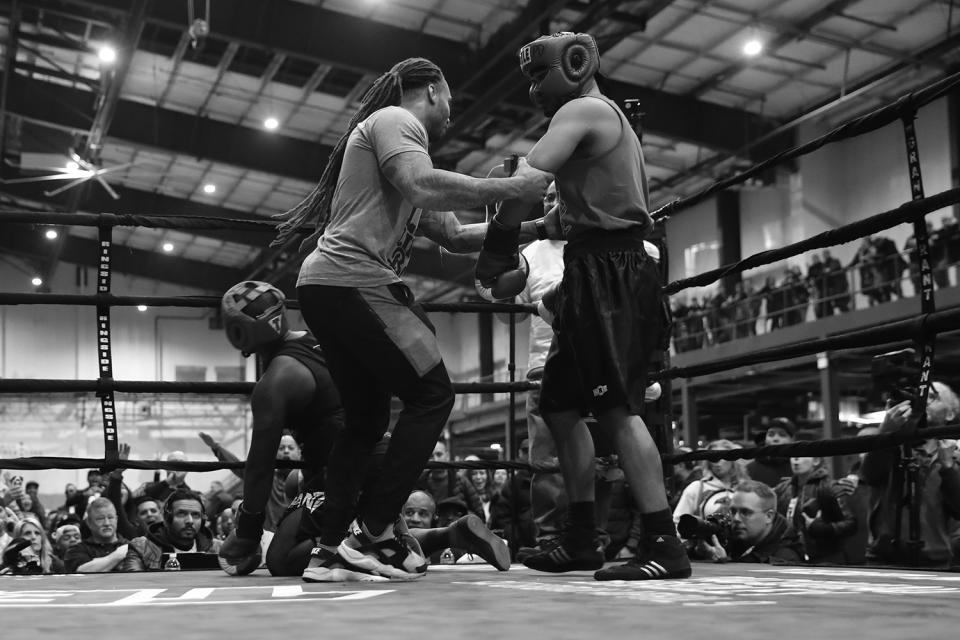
(782, 510)
(877, 271)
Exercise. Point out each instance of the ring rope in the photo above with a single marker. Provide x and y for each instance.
(850, 129)
(816, 448)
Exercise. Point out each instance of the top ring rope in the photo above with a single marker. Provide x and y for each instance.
(136, 220)
(817, 448)
(856, 127)
(847, 233)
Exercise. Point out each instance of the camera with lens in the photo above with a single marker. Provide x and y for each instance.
(895, 375)
(693, 528)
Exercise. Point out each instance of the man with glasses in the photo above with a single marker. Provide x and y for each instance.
(104, 549)
(758, 533)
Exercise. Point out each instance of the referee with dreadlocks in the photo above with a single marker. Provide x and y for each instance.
(378, 191)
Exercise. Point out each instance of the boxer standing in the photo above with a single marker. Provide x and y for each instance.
(608, 309)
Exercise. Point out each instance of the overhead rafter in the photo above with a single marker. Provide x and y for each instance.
(315, 34)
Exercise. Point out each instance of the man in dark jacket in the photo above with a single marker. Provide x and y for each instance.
(758, 533)
(181, 531)
(771, 471)
(811, 503)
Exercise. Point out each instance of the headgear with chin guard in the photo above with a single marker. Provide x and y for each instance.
(558, 67)
(253, 315)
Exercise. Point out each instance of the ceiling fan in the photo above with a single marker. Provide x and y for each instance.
(81, 172)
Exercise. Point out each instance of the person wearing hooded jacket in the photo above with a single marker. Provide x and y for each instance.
(181, 531)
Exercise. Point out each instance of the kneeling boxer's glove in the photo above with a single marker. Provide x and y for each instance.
(499, 254)
(240, 553)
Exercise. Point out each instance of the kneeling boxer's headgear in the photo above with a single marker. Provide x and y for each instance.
(558, 67)
(253, 315)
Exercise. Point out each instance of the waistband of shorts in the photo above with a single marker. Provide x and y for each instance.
(601, 241)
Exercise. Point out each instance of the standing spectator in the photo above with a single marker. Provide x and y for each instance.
(817, 283)
(890, 268)
(30, 529)
(32, 488)
(773, 296)
(181, 531)
(771, 471)
(103, 550)
(174, 480)
(865, 259)
(796, 297)
(937, 488)
(684, 474)
(743, 318)
(838, 287)
(447, 483)
(817, 510)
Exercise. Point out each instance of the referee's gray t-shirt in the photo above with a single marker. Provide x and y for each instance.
(370, 236)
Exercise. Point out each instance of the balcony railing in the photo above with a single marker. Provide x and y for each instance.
(798, 299)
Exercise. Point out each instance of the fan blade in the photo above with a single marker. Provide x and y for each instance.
(73, 175)
(107, 187)
(66, 186)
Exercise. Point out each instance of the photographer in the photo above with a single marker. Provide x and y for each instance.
(754, 532)
(937, 485)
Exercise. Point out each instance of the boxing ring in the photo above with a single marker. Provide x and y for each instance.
(739, 600)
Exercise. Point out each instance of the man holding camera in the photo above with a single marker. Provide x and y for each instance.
(937, 485)
(756, 532)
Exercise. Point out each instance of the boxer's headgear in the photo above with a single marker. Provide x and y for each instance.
(253, 315)
(558, 67)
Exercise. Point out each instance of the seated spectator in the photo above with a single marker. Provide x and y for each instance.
(511, 515)
(771, 471)
(19, 558)
(64, 537)
(711, 494)
(31, 530)
(226, 522)
(103, 550)
(684, 474)
(758, 533)
(8, 519)
(817, 510)
(938, 486)
(181, 531)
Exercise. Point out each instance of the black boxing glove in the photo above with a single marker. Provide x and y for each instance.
(499, 254)
(507, 285)
(240, 553)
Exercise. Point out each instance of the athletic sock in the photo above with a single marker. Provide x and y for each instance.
(658, 523)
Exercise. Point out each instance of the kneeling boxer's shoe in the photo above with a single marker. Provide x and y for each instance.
(240, 553)
(326, 565)
(568, 553)
(470, 534)
(394, 554)
(659, 558)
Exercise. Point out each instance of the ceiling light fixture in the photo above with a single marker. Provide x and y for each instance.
(37, 281)
(271, 123)
(141, 307)
(752, 47)
(168, 246)
(72, 166)
(107, 54)
(51, 234)
(209, 188)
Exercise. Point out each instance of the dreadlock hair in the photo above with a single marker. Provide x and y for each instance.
(387, 90)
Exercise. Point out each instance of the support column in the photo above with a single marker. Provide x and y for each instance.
(728, 219)
(830, 399)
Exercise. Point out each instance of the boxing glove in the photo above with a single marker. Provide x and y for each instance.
(499, 253)
(240, 553)
(507, 285)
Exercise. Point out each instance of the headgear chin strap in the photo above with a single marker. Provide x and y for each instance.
(253, 315)
(558, 67)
